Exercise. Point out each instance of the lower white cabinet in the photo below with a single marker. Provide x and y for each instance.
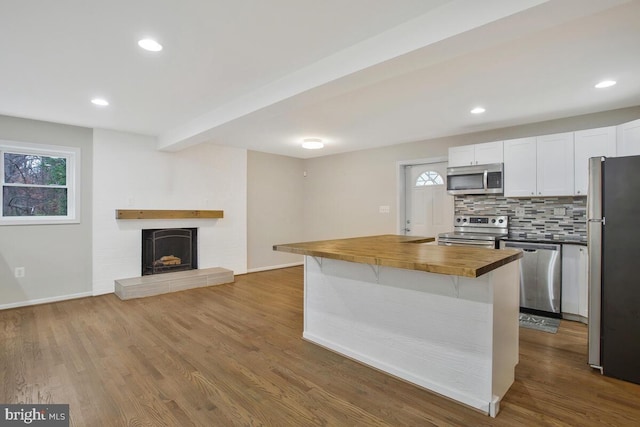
(575, 265)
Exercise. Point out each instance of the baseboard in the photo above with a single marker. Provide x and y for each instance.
(575, 318)
(274, 267)
(103, 291)
(45, 300)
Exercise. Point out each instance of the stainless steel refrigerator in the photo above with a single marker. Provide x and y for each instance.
(613, 228)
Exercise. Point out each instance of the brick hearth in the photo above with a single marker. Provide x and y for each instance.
(156, 284)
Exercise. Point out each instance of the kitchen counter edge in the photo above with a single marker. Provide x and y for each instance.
(407, 252)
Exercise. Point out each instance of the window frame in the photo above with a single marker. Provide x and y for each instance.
(428, 182)
(73, 161)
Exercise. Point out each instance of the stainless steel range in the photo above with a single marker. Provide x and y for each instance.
(480, 231)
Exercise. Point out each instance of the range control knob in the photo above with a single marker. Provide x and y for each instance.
(457, 219)
(501, 220)
(494, 221)
(464, 220)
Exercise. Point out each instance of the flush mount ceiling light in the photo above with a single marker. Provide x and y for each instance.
(150, 45)
(312, 143)
(605, 83)
(100, 102)
(478, 110)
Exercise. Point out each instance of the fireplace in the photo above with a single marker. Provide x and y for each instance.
(169, 249)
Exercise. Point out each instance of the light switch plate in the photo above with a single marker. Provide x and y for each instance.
(560, 211)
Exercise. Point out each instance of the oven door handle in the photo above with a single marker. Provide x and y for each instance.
(460, 242)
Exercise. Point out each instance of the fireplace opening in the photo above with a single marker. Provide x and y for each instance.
(169, 249)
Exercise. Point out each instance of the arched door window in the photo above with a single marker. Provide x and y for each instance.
(429, 178)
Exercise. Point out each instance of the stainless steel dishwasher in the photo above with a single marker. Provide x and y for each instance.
(540, 275)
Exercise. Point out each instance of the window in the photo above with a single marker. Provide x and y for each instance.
(39, 184)
(429, 178)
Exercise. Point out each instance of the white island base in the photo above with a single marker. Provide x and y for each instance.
(456, 336)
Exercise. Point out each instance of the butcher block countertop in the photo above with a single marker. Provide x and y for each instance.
(407, 252)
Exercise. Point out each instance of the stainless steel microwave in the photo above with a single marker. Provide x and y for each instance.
(476, 179)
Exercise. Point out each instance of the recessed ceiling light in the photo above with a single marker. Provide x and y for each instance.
(478, 110)
(312, 143)
(150, 45)
(100, 101)
(605, 83)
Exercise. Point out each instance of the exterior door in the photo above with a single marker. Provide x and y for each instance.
(428, 207)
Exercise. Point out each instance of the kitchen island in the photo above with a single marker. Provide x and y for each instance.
(443, 318)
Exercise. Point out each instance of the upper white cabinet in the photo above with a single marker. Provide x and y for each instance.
(629, 139)
(591, 143)
(489, 152)
(539, 166)
(575, 269)
(462, 155)
(555, 175)
(476, 154)
(520, 167)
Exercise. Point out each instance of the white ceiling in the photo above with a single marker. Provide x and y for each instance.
(263, 74)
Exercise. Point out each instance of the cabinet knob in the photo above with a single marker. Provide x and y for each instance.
(540, 193)
(578, 191)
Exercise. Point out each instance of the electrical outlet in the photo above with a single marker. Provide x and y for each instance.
(519, 211)
(19, 272)
(560, 211)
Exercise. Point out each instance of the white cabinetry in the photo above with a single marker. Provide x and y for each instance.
(541, 166)
(591, 143)
(489, 152)
(477, 154)
(520, 167)
(555, 165)
(463, 155)
(629, 139)
(575, 262)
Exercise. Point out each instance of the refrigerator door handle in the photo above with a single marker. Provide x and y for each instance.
(594, 235)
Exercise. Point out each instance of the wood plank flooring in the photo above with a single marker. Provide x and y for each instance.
(233, 355)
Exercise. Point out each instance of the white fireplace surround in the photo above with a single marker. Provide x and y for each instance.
(201, 177)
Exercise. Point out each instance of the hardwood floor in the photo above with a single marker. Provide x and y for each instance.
(233, 355)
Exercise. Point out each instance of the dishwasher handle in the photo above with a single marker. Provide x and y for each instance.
(531, 247)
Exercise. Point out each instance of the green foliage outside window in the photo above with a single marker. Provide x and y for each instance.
(34, 185)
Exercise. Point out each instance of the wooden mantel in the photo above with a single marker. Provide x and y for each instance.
(166, 214)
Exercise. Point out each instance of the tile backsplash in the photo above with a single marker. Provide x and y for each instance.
(544, 218)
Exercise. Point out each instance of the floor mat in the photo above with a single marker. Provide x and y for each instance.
(540, 323)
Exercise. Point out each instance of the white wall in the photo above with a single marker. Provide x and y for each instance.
(275, 191)
(344, 192)
(130, 173)
(56, 258)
